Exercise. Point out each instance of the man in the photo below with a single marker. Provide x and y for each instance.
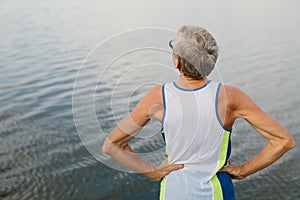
(197, 115)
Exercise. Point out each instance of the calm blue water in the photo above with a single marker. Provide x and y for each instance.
(69, 70)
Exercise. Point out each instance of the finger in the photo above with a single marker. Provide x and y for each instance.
(237, 177)
(178, 166)
(225, 169)
(173, 167)
(170, 168)
(228, 167)
(229, 163)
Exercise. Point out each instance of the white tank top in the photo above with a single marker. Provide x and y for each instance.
(194, 137)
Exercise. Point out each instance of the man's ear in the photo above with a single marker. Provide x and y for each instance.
(176, 62)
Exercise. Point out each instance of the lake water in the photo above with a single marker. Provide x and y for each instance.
(69, 70)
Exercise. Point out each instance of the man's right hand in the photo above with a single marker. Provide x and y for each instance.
(163, 170)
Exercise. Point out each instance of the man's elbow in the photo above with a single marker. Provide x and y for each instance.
(289, 143)
(107, 147)
(111, 148)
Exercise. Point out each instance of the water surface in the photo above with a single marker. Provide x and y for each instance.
(44, 44)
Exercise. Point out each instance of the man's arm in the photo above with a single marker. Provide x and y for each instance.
(278, 138)
(116, 144)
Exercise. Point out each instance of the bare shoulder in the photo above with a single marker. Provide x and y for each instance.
(231, 91)
(231, 95)
(150, 104)
(156, 90)
(154, 96)
(237, 101)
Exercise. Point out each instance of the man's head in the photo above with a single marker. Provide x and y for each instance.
(196, 51)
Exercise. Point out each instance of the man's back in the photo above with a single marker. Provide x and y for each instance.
(196, 137)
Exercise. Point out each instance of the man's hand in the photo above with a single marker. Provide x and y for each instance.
(234, 170)
(164, 169)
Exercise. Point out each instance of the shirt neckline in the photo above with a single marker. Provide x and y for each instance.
(191, 90)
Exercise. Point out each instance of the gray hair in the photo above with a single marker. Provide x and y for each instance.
(196, 50)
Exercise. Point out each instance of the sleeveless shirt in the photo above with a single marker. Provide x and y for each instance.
(195, 137)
